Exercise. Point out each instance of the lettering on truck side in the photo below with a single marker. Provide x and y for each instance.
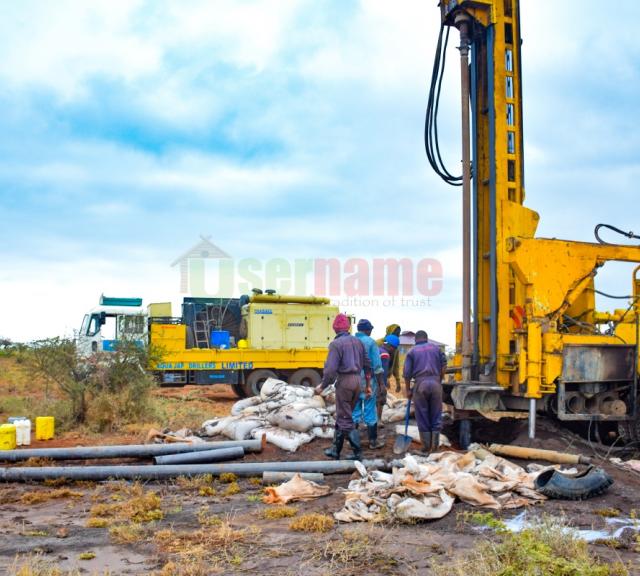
(202, 365)
(205, 366)
(237, 365)
(262, 311)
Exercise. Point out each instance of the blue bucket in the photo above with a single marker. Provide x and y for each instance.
(220, 339)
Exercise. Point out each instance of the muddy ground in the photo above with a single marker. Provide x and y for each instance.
(56, 530)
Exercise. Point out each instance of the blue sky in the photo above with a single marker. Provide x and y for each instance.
(287, 129)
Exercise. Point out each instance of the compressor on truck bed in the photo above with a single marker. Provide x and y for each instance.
(237, 341)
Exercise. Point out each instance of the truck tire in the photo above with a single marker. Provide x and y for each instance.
(238, 390)
(305, 377)
(591, 482)
(253, 382)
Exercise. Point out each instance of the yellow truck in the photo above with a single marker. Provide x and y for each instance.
(237, 341)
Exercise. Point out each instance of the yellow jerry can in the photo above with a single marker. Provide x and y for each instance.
(45, 427)
(7, 437)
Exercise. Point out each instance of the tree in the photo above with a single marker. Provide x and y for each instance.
(56, 360)
(112, 387)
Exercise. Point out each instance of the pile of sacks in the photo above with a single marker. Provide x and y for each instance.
(289, 416)
(426, 488)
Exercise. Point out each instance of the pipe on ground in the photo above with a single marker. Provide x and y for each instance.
(202, 456)
(537, 454)
(125, 451)
(97, 473)
(275, 477)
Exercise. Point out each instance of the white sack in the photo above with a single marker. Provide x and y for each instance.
(240, 405)
(241, 429)
(284, 439)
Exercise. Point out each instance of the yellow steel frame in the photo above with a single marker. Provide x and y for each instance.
(536, 281)
(169, 340)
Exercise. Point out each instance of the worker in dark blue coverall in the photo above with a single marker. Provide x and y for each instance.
(425, 364)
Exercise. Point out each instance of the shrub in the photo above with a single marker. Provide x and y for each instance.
(106, 390)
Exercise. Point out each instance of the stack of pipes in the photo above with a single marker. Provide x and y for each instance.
(170, 461)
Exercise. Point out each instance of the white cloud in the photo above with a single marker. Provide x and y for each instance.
(60, 45)
(283, 128)
(226, 181)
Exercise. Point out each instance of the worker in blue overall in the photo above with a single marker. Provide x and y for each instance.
(425, 364)
(366, 407)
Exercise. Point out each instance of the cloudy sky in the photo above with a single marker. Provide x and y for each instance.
(283, 129)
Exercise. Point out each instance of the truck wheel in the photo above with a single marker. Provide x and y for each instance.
(254, 381)
(305, 377)
(238, 390)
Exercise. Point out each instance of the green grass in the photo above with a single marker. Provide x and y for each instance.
(547, 548)
(484, 519)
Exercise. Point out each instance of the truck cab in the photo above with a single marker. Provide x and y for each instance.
(113, 320)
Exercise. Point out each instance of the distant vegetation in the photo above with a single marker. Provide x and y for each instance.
(104, 391)
(10, 348)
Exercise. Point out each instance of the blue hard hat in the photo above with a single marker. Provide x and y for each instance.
(365, 325)
(392, 340)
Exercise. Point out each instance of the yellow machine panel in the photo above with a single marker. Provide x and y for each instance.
(159, 310)
(289, 326)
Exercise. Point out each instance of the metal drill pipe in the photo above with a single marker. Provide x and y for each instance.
(202, 456)
(463, 25)
(124, 451)
(97, 473)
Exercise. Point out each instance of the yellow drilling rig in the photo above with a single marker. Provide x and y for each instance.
(531, 339)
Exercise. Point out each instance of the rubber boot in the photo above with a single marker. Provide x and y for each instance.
(354, 440)
(426, 439)
(336, 447)
(374, 442)
(435, 441)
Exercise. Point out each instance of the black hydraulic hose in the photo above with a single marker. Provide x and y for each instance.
(614, 297)
(614, 229)
(431, 139)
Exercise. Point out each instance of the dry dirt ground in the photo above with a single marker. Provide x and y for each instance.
(209, 520)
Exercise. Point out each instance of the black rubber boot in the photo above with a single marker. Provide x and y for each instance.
(374, 442)
(336, 447)
(354, 440)
(435, 441)
(426, 439)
